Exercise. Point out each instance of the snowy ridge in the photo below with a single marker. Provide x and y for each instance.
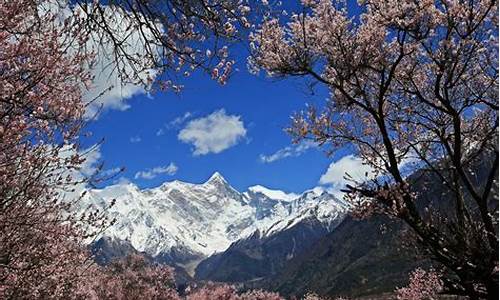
(202, 219)
(323, 207)
(273, 194)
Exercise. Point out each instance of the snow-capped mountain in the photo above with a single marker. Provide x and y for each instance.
(203, 219)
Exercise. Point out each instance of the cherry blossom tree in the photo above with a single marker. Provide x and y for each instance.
(42, 76)
(131, 277)
(413, 85)
(166, 40)
(227, 292)
(423, 285)
(314, 296)
(44, 70)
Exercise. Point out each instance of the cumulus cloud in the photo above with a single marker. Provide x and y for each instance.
(213, 133)
(170, 169)
(108, 91)
(289, 151)
(349, 164)
(334, 177)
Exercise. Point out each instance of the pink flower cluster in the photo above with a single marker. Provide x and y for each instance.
(40, 116)
(413, 89)
(423, 285)
(152, 41)
(226, 292)
(42, 77)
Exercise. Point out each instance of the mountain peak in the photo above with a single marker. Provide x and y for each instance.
(216, 178)
(202, 218)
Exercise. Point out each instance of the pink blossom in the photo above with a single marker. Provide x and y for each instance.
(423, 285)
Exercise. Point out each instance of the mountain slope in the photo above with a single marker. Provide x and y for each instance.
(267, 251)
(180, 223)
(366, 257)
(257, 257)
(358, 258)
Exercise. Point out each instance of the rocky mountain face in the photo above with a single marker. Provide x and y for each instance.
(183, 223)
(258, 256)
(368, 257)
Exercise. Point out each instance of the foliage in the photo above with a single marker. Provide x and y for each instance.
(46, 54)
(131, 277)
(168, 38)
(226, 292)
(40, 116)
(423, 285)
(414, 85)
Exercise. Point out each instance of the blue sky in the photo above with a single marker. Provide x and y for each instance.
(165, 136)
(145, 135)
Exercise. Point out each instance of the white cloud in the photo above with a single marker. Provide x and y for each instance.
(111, 172)
(135, 139)
(352, 165)
(171, 169)
(213, 133)
(107, 79)
(179, 120)
(122, 181)
(92, 157)
(289, 151)
(93, 164)
(107, 90)
(348, 164)
(175, 123)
